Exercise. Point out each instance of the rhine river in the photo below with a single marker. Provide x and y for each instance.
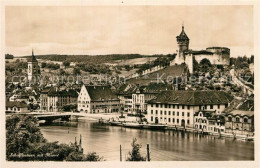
(164, 145)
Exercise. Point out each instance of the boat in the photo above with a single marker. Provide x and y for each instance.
(115, 123)
(154, 126)
(133, 125)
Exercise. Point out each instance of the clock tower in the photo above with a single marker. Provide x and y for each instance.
(33, 68)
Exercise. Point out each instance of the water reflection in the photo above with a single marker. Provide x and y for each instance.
(164, 145)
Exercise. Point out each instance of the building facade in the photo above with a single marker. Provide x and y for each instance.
(240, 122)
(98, 99)
(57, 99)
(177, 108)
(16, 107)
(208, 121)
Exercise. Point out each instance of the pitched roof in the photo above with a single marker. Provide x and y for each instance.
(242, 113)
(71, 93)
(183, 35)
(98, 93)
(193, 97)
(15, 104)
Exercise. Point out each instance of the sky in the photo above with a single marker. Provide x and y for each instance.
(95, 30)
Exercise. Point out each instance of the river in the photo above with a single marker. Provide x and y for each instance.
(164, 145)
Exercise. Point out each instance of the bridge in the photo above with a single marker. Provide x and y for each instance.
(49, 117)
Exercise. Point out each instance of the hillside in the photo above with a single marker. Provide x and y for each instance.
(89, 59)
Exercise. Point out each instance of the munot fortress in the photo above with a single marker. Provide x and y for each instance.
(216, 55)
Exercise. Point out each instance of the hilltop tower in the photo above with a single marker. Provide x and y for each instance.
(183, 45)
(33, 68)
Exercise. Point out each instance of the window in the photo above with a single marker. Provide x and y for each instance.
(178, 106)
(173, 113)
(169, 106)
(157, 105)
(211, 106)
(151, 111)
(151, 105)
(196, 120)
(205, 106)
(161, 112)
(156, 111)
(188, 107)
(237, 119)
(169, 112)
(152, 118)
(169, 120)
(218, 106)
(177, 113)
(182, 113)
(161, 105)
(226, 105)
(165, 106)
(245, 120)
(177, 120)
(165, 112)
(229, 119)
(188, 121)
(173, 120)
(183, 106)
(188, 114)
(173, 106)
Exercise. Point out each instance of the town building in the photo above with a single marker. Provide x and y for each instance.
(208, 121)
(216, 55)
(16, 107)
(98, 99)
(44, 99)
(146, 93)
(57, 99)
(240, 122)
(33, 68)
(177, 108)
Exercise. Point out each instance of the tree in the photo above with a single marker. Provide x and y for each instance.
(9, 56)
(66, 63)
(44, 64)
(24, 137)
(205, 65)
(76, 71)
(135, 153)
(195, 65)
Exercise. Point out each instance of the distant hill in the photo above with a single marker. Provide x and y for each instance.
(89, 59)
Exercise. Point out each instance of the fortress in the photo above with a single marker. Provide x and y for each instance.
(216, 55)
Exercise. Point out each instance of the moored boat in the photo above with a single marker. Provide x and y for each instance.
(133, 125)
(155, 126)
(115, 123)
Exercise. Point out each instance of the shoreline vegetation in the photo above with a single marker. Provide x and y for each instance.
(25, 142)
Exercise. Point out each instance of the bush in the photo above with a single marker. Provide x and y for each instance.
(135, 153)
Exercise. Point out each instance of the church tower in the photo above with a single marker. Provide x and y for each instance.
(33, 68)
(183, 45)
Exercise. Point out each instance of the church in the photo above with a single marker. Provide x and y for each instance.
(33, 68)
(216, 55)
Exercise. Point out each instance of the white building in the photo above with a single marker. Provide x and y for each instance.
(177, 108)
(97, 99)
(208, 121)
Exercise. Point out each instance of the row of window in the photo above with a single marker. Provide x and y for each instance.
(169, 113)
(173, 106)
(238, 119)
(169, 120)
